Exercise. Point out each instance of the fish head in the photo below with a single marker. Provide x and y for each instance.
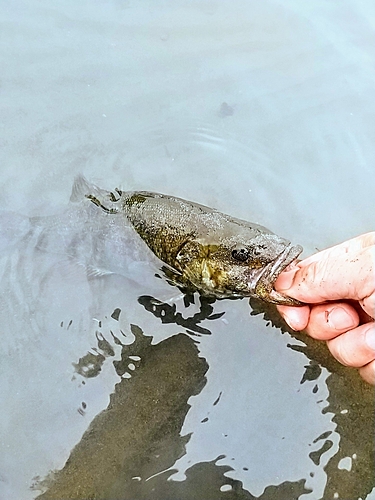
(230, 268)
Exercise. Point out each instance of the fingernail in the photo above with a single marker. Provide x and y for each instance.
(285, 280)
(370, 337)
(293, 317)
(340, 319)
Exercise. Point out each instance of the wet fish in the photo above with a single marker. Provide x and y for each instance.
(202, 248)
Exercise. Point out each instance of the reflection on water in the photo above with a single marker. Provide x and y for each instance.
(137, 436)
(130, 448)
(167, 313)
(352, 404)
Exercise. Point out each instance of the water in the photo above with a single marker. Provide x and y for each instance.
(262, 110)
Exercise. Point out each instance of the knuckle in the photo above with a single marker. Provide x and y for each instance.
(315, 332)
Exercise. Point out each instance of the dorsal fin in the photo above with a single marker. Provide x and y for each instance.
(82, 189)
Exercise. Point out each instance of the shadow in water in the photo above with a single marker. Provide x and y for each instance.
(139, 431)
(129, 449)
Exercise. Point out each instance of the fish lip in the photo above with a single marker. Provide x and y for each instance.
(268, 275)
(283, 260)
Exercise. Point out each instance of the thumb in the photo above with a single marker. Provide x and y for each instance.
(331, 276)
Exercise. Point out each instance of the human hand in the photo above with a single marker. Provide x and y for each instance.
(338, 286)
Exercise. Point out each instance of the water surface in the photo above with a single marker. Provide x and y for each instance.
(114, 386)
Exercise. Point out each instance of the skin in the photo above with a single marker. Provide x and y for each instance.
(338, 284)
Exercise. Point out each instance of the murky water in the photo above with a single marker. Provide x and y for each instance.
(114, 386)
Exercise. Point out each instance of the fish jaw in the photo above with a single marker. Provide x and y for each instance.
(262, 282)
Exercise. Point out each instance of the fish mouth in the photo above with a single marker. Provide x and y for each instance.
(262, 282)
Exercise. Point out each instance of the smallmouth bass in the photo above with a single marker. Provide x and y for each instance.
(202, 248)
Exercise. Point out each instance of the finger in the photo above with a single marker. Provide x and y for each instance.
(356, 347)
(327, 321)
(340, 277)
(367, 372)
(296, 317)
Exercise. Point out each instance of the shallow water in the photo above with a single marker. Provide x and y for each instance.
(114, 383)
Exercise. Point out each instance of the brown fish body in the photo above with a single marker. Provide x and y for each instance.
(203, 248)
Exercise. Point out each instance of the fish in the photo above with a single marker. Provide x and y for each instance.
(202, 249)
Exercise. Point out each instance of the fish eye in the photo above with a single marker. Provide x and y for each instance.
(240, 254)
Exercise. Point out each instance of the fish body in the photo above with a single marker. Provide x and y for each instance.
(202, 248)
